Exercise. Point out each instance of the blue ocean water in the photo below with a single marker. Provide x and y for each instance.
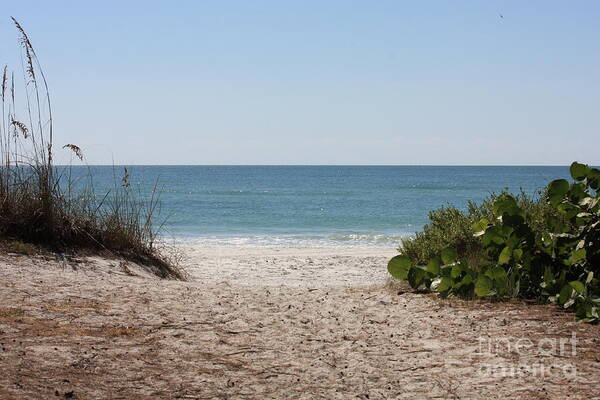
(313, 205)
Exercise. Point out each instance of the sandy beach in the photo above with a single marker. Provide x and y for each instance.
(270, 324)
(287, 266)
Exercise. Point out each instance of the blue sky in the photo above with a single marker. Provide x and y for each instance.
(314, 82)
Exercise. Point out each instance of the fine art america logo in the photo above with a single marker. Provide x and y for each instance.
(516, 357)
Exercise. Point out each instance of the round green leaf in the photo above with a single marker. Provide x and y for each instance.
(466, 280)
(517, 254)
(496, 273)
(565, 294)
(557, 190)
(577, 256)
(578, 286)
(480, 227)
(398, 267)
(507, 204)
(505, 255)
(593, 178)
(579, 171)
(434, 266)
(449, 255)
(456, 271)
(483, 286)
(441, 284)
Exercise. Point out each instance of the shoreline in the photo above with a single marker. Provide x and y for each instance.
(329, 240)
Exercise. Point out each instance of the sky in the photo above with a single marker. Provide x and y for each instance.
(319, 82)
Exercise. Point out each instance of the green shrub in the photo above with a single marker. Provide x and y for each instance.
(451, 227)
(548, 251)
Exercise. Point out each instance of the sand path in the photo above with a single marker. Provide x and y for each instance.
(92, 330)
(288, 266)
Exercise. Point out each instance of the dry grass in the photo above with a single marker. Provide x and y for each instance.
(38, 204)
(18, 247)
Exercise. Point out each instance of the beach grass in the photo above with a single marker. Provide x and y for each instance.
(39, 203)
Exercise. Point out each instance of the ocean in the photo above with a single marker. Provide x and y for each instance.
(311, 205)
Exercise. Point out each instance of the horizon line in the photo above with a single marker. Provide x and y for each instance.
(315, 165)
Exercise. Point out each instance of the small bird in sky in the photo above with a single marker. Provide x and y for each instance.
(501, 16)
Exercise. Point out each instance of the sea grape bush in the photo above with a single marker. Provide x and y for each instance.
(452, 227)
(557, 260)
